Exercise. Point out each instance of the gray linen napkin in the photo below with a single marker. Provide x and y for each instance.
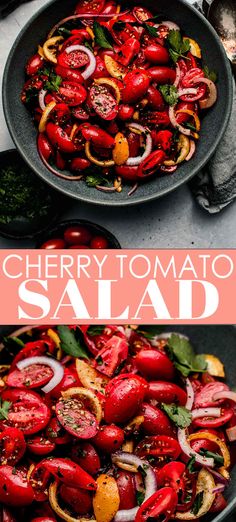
(214, 187)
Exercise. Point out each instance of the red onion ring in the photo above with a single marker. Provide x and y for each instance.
(105, 189)
(42, 95)
(148, 149)
(187, 450)
(171, 25)
(231, 396)
(54, 171)
(190, 90)
(82, 17)
(218, 476)
(92, 60)
(178, 75)
(219, 488)
(212, 97)
(133, 189)
(176, 125)
(128, 515)
(231, 433)
(57, 368)
(206, 412)
(190, 395)
(191, 150)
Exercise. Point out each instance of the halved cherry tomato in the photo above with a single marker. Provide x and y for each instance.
(39, 445)
(73, 60)
(69, 473)
(128, 51)
(89, 6)
(78, 499)
(56, 433)
(160, 506)
(84, 454)
(159, 446)
(60, 114)
(150, 165)
(162, 74)
(123, 398)
(34, 64)
(155, 421)
(163, 139)
(112, 355)
(12, 446)
(76, 419)
(15, 490)
(155, 364)
(126, 487)
(136, 84)
(142, 14)
(34, 376)
(103, 102)
(172, 475)
(156, 53)
(109, 438)
(27, 411)
(204, 398)
(69, 74)
(59, 138)
(182, 117)
(167, 392)
(72, 93)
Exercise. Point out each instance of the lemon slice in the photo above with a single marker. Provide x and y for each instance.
(205, 484)
(194, 47)
(214, 366)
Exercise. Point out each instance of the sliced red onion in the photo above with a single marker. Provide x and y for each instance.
(133, 189)
(231, 433)
(176, 125)
(190, 90)
(84, 16)
(220, 478)
(102, 188)
(191, 150)
(206, 412)
(42, 95)
(231, 396)
(178, 75)
(190, 395)
(128, 515)
(168, 168)
(219, 488)
(165, 336)
(169, 24)
(206, 103)
(54, 171)
(187, 450)
(148, 149)
(56, 367)
(92, 60)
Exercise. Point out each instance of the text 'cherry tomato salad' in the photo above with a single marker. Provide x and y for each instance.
(112, 423)
(117, 95)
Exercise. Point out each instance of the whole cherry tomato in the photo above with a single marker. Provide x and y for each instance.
(39, 445)
(96, 135)
(69, 74)
(68, 472)
(59, 138)
(155, 99)
(60, 113)
(167, 392)
(54, 244)
(156, 53)
(44, 146)
(34, 64)
(162, 74)
(109, 438)
(78, 499)
(136, 84)
(155, 364)
(163, 139)
(77, 235)
(127, 491)
(101, 70)
(99, 242)
(159, 446)
(161, 505)
(15, 490)
(84, 454)
(127, 173)
(155, 421)
(123, 398)
(125, 112)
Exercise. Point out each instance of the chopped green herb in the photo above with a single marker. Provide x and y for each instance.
(151, 30)
(95, 330)
(178, 414)
(198, 503)
(190, 126)
(64, 32)
(183, 356)
(211, 75)
(191, 464)
(140, 495)
(69, 343)
(101, 36)
(177, 46)
(13, 342)
(93, 180)
(218, 459)
(4, 409)
(169, 93)
(53, 83)
(142, 471)
(87, 44)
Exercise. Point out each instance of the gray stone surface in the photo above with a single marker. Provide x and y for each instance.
(174, 221)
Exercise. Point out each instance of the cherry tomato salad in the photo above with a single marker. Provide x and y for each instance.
(112, 423)
(117, 95)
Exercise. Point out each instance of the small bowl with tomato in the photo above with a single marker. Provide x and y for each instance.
(126, 106)
(77, 234)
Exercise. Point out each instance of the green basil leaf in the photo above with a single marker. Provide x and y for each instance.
(211, 75)
(169, 93)
(101, 37)
(70, 344)
(151, 30)
(198, 503)
(4, 409)
(181, 417)
(95, 329)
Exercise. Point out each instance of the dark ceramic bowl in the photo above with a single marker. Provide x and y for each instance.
(23, 227)
(24, 133)
(208, 339)
(96, 230)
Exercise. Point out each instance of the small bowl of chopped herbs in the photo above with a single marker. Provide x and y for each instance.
(27, 205)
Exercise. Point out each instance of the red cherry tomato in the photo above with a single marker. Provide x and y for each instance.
(15, 490)
(109, 438)
(123, 398)
(126, 487)
(219, 504)
(59, 139)
(99, 242)
(160, 506)
(167, 392)
(114, 353)
(78, 164)
(84, 454)
(89, 6)
(70, 380)
(101, 70)
(68, 473)
(125, 112)
(172, 475)
(155, 99)
(54, 244)
(30, 350)
(103, 102)
(162, 74)
(156, 53)
(204, 398)
(73, 60)
(27, 411)
(150, 165)
(72, 93)
(154, 364)
(97, 136)
(210, 422)
(127, 173)
(78, 499)
(128, 51)
(44, 146)
(12, 446)
(76, 235)
(156, 118)
(39, 445)
(136, 84)
(34, 64)
(34, 376)
(155, 421)
(77, 420)
(159, 446)
(56, 433)
(142, 14)
(60, 114)
(163, 139)
(69, 74)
